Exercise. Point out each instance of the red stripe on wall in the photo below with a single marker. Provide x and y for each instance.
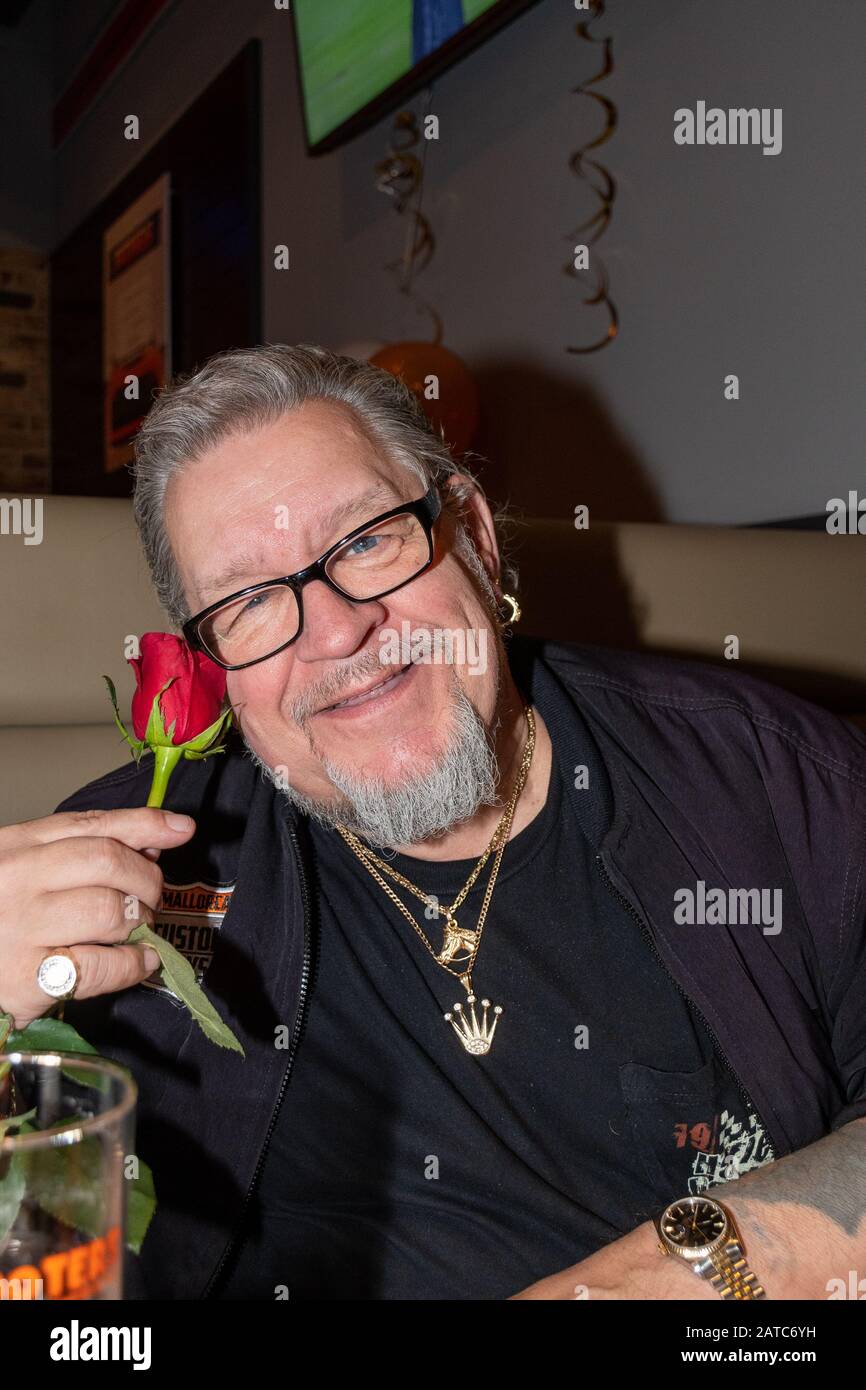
(111, 49)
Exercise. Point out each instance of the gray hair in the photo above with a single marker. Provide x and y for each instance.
(245, 389)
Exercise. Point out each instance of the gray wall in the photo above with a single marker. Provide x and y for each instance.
(721, 259)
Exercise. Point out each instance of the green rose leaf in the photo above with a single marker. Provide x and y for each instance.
(136, 744)
(140, 1206)
(155, 733)
(179, 976)
(196, 746)
(48, 1035)
(52, 1035)
(13, 1181)
(15, 1122)
(12, 1188)
(66, 1182)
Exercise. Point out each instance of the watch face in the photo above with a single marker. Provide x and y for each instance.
(693, 1222)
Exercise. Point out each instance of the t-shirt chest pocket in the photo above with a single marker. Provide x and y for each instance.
(674, 1119)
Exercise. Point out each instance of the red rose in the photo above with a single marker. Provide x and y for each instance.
(177, 714)
(195, 697)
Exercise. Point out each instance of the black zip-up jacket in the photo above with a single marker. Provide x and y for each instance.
(698, 774)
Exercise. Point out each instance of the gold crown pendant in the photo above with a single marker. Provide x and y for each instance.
(476, 1037)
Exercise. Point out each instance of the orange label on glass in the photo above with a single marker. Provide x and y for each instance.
(79, 1272)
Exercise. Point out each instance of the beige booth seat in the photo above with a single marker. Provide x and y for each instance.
(794, 599)
(67, 605)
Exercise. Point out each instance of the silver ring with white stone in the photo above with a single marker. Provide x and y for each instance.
(57, 975)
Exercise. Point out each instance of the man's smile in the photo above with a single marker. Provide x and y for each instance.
(373, 694)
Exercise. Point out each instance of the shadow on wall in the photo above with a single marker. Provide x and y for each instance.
(570, 599)
(553, 444)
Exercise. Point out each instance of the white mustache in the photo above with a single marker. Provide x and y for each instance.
(330, 689)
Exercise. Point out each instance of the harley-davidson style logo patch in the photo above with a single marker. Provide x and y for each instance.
(189, 918)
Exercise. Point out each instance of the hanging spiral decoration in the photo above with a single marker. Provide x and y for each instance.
(600, 181)
(400, 175)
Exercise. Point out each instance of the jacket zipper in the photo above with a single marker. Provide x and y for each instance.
(648, 936)
(299, 1023)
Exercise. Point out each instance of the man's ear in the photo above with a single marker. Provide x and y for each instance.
(474, 511)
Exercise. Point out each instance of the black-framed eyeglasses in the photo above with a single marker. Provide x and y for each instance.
(373, 560)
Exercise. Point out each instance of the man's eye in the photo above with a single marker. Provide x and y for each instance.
(252, 605)
(363, 545)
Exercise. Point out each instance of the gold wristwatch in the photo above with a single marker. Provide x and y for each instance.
(702, 1231)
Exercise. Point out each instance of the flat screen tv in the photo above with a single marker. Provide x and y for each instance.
(359, 59)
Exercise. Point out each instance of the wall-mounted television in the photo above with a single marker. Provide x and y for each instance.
(358, 59)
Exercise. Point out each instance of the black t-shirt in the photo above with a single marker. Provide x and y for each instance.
(402, 1167)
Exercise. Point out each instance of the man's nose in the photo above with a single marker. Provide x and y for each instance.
(333, 625)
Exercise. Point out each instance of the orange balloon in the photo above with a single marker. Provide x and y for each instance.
(456, 410)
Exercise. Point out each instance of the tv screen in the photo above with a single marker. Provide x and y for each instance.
(358, 58)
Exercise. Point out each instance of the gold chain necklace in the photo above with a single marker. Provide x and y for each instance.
(476, 1035)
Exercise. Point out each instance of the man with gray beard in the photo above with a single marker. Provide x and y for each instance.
(484, 1056)
(418, 807)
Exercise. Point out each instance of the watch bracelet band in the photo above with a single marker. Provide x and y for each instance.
(732, 1277)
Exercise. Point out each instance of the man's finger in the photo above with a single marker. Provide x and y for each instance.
(62, 865)
(139, 827)
(106, 969)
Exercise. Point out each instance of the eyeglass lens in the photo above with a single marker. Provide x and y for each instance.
(380, 559)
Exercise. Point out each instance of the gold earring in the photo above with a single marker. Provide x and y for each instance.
(514, 615)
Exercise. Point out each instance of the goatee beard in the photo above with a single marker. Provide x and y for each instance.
(464, 777)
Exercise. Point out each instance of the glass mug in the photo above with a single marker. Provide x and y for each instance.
(62, 1175)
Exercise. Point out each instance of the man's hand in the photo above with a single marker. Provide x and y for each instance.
(80, 880)
(631, 1267)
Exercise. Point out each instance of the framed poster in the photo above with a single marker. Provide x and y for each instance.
(136, 316)
(215, 257)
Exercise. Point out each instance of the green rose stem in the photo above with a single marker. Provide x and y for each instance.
(165, 762)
